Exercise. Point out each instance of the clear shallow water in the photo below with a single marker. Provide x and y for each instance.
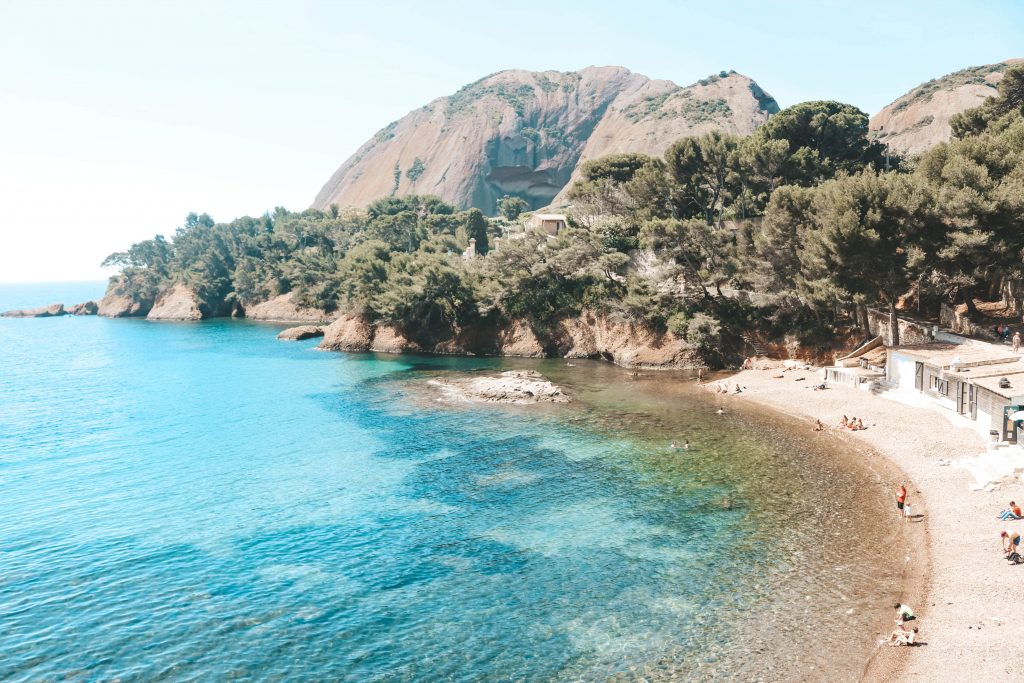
(201, 501)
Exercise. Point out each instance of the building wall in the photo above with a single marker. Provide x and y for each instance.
(990, 411)
(910, 332)
(931, 374)
(900, 371)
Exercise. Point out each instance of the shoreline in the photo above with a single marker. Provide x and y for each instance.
(959, 585)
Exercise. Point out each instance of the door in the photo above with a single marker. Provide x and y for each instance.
(1009, 426)
(972, 401)
(961, 397)
(919, 376)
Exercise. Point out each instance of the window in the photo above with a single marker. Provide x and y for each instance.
(941, 386)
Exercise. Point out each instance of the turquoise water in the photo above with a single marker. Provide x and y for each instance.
(201, 502)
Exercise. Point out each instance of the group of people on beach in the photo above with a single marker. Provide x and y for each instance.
(854, 424)
(903, 635)
(1009, 540)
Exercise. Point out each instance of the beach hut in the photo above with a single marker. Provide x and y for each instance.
(941, 372)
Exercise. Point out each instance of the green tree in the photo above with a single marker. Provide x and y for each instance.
(511, 207)
(824, 138)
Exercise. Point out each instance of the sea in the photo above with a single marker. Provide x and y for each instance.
(200, 501)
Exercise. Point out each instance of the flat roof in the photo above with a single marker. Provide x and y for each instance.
(942, 354)
(1015, 390)
(549, 216)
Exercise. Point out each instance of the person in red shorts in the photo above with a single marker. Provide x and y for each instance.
(901, 499)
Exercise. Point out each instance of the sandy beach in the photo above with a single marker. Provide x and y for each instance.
(965, 594)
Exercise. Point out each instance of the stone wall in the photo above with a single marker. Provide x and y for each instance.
(910, 332)
(957, 319)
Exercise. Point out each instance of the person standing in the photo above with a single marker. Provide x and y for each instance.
(901, 499)
(1016, 342)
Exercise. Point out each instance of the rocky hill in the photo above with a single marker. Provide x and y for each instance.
(525, 133)
(920, 119)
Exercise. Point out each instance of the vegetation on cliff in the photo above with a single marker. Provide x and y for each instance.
(790, 231)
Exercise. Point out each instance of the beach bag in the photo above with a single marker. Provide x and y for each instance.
(1015, 558)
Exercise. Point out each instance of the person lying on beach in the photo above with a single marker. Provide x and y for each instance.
(1009, 541)
(1013, 512)
(860, 425)
(818, 427)
(902, 636)
(819, 387)
(844, 422)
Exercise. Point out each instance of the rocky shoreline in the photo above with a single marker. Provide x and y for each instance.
(591, 334)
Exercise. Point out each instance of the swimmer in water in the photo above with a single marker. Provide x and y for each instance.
(726, 503)
(686, 445)
(673, 445)
(720, 411)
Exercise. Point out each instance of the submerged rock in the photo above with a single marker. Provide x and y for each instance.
(514, 386)
(51, 311)
(301, 332)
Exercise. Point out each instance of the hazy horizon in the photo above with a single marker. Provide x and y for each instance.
(120, 119)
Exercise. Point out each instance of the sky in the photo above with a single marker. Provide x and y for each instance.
(119, 118)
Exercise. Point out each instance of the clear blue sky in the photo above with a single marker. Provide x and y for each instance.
(118, 118)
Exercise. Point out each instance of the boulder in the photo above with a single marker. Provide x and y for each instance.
(51, 311)
(177, 303)
(284, 309)
(348, 333)
(387, 339)
(84, 308)
(301, 332)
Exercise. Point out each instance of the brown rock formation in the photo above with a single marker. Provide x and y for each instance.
(51, 311)
(301, 332)
(284, 309)
(177, 303)
(84, 308)
(524, 133)
(919, 119)
(117, 303)
(588, 336)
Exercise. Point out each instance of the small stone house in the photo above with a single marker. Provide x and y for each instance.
(549, 223)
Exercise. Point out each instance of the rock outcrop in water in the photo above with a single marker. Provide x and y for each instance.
(525, 133)
(300, 333)
(51, 311)
(919, 119)
(590, 335)
(283, 308)
(177, 303)
(514, 386)
(118, 302)
(84, 308)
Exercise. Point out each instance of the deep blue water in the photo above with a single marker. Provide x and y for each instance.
(201, 502)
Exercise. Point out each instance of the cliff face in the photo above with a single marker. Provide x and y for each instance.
(524, 133)
(920, 119)
(590, 335)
